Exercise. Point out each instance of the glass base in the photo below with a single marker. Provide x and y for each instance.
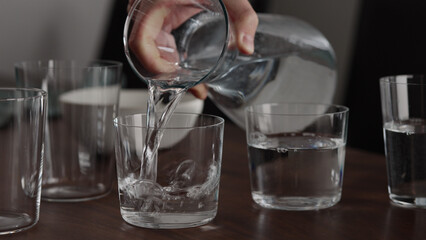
(295, 203)
(73, 193)
(12, 222)
(167, 220)
(408, 201)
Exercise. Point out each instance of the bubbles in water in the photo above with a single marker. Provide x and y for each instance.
(408, 129)
(184, 174)
(198, 191)
(258, 136)
(145, 195)
(319, 142)
(282, 150)
(149, 196)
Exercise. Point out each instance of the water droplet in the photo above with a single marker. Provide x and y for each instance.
(258, 136)
(282, 150)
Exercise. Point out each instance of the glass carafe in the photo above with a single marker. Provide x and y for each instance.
(292, 60)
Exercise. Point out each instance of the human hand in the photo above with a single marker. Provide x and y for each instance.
(154, 45)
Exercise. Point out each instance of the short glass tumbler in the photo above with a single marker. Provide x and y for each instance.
(184, 191)
(296, 154)
(22, 121)
(404, 130)
(83, 101)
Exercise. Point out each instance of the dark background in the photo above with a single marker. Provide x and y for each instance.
(390, 40)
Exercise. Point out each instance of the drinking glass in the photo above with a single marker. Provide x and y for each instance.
(296, 154)
(403, 100)
(22, 122)
(83, 100)
(185, 187)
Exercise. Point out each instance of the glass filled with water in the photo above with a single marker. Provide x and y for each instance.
(183, 185)
(403, 100)
(296, 154)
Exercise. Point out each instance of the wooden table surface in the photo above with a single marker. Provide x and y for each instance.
(364, 211)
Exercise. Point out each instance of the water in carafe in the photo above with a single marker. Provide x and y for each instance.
(292, 62)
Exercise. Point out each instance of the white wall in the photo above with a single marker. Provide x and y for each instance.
(336, 19)
(50, 29)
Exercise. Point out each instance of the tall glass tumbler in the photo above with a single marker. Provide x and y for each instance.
(403, 100)
(296, 154)
(83, 100)
(22, 122)
(184, 192)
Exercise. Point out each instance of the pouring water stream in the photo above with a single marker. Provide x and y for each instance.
(283, 46)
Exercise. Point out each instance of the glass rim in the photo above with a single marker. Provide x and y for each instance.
(79, 64)
(41, 94)
(220, 121)
(404, 79)
(340, 109)
(127, 53)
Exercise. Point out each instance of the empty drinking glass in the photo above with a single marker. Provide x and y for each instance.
(83, 100)
(22, 122)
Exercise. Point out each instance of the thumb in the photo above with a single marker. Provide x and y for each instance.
(245, 22)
